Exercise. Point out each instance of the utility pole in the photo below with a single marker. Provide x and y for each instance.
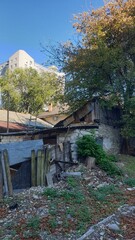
(8, 114)
(0, 99)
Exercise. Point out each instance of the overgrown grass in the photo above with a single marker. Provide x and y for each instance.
(33, 223)
(129, 165)
(75, 208)
(102, 193)
(75, 196)
(130, 182)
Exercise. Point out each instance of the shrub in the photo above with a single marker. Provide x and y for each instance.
(87, 146)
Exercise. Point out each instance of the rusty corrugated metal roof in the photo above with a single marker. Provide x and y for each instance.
(12, 126)
(23, 119)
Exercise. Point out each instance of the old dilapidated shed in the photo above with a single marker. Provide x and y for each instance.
(91, 118)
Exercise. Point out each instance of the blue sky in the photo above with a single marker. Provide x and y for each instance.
(27, 23)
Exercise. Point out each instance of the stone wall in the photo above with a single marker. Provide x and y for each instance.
(17, 138)
(8, 139)
(72, 137)
(107, 136)
(111, 138)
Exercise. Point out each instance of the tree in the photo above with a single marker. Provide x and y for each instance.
(108, 56)
(103, 62)
(28, 90)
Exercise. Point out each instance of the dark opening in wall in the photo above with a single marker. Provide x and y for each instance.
(21, 175)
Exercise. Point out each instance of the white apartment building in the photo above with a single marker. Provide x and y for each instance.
(21, 59)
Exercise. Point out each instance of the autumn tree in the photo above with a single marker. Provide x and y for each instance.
(103, 62)
(108, 56)
(25, 90)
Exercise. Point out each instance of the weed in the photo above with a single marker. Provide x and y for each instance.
(1, 232)
(51, 193)
(75, 196)
(30, 234)
(84, 214)
(129, 165)
(53, 209)
(7, 200)
(79, 197)
(101, 193)
(66, 223)
(72, 182)
(71, 211)
(53, 223)
(33, 223)
(130, 182)
(13, 233)
(82, 169)
(81, 228)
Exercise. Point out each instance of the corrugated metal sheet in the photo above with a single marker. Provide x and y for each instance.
(20, 151)
(12, 126)
(23, 119)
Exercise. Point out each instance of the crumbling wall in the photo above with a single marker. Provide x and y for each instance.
(111, 138)
(107, 136)
(72, 137)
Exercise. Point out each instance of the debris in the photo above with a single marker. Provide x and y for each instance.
(113, 226)
(73, 174)
(49, 179)
(13, 206)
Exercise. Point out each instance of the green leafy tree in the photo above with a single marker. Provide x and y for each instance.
(25, 90)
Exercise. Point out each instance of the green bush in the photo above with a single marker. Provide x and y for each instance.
(87, 146)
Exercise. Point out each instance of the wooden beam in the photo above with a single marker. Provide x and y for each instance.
(8, 175)
(1, 177)
(39, 159)
(33, 168)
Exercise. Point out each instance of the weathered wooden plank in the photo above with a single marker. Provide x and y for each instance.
(4, 175)
(49, 179)
(33, 168)
(90, 162)
(47, 160)
(82, 112)
(69, 120)
(20, 151)
(39, 159)
(72, 174)
(42, 168)
(1, 178)
(8, 175)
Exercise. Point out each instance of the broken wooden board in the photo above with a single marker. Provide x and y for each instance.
(20, 151)
(49, 179)
(71, 174)
(90, 162)
(1, 178)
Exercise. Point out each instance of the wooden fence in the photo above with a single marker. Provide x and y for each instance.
(45, 163)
